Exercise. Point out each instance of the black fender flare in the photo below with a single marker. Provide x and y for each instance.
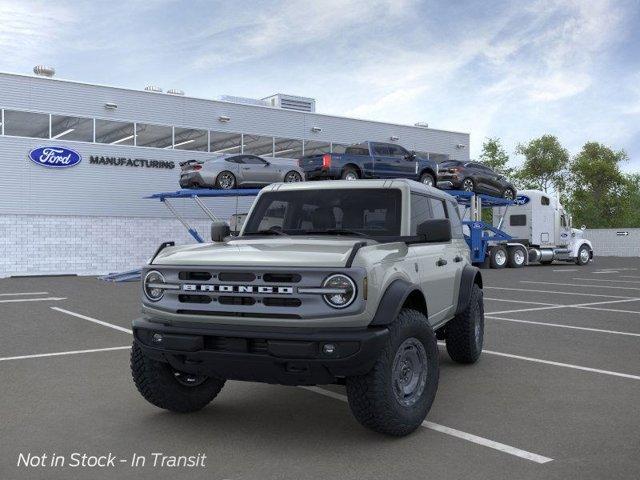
(470, 275)
(391, 302)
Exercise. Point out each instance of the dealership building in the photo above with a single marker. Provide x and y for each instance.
(92, 217)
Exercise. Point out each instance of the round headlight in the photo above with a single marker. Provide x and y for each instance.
(343, 291)
(151, 280)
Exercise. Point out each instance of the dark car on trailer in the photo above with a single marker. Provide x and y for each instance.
(371, 160)
(474, 177)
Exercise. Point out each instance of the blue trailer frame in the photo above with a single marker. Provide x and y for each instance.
(481, 234)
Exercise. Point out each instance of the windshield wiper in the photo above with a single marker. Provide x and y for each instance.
(267, 232)
(337, 231)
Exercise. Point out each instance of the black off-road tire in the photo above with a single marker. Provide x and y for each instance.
(371, 396)
(156, 382)
(465, 333)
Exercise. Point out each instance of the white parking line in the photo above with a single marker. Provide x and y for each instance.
(567, 270)
(94, 320)
(629, 276)
(56, 354)
(580, 285)
(564, 365)
(23, 293)
(521, 301)
(615, 310)
(576, 305)
(559, 325)
(20, 300)
(528, 290)
(469, 437)
(606, 280)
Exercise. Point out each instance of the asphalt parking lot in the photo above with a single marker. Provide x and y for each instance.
(555, 394)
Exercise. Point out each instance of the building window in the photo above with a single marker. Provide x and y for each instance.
(26, 124)
(114, 133)
(258, 145)
(312, 147)
(72, 128)
(190, 139)
(222, 142)
(158, 136)
(287, 148)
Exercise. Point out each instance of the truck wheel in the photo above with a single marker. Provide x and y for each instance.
(396, 395)
(517, 257)
(350, 173)
(583, 255)
(166, 388)
(498, 257)
(465, 333)
(428, 180)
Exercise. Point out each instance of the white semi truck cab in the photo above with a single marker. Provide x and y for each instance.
(540, 223)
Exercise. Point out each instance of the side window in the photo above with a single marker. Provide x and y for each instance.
(456, 222)
(420, 211)
(545, 200)
(251, 160)
(397, 151)
(517, 220)
(563, 221)
(234, 160)
(437, 208)
(381, 150)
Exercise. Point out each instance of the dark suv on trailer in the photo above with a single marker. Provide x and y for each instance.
(474, 177)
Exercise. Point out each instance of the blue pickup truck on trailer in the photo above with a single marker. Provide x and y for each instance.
(370, 160)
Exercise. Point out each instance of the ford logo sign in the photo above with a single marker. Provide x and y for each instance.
(55, 157)
(522, 200)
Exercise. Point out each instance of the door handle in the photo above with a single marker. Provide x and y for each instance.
(441, 262)
(246, 168)
(457, 259)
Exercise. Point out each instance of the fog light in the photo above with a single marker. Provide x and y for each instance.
(328, 348)
(157, 338)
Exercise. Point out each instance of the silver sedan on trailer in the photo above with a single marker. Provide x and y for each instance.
(238, 170)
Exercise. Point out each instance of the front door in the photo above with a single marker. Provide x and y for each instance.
(256, 170)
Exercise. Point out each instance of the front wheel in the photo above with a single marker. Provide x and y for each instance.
(395, 396)
(428, 180)
(292, 177)
(509, 194)
(584, 255)
(167, 388)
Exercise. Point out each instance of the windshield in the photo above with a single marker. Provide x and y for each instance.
(362, 212)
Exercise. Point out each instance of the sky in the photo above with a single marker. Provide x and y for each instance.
(513, 70)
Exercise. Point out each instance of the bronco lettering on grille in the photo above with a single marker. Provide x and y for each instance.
(190, 287)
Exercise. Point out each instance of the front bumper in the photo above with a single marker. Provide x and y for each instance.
(283, 355)
(450, 182)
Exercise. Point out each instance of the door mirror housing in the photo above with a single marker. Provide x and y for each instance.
(219, 231)
(435, 230)
(410, 156)
(267, 163)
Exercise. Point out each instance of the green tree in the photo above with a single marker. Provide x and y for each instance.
(545, 164)
(495, 156)
(632, 214)
(600, 193)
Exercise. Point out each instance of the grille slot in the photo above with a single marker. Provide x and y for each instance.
(281, 277)
(197, 276)
(194, 299)
(228, 300)
(291, 316)
(236, 276)
(282, 302)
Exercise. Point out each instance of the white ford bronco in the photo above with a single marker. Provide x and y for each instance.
(327, 282)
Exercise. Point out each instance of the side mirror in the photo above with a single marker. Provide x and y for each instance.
(219, 231)
(410, 156)
(267, 163)
(436, 230)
